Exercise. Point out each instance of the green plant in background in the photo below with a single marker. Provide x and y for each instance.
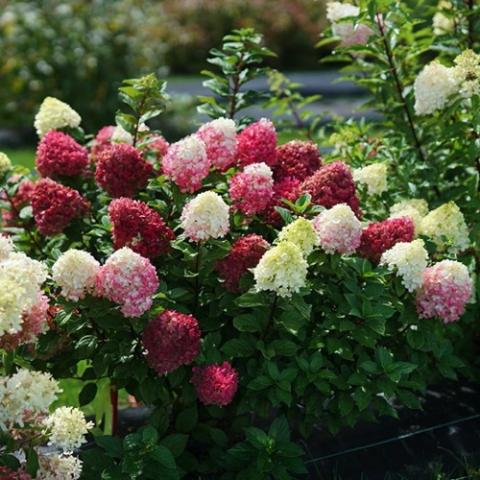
(76, 51)
(240, 61)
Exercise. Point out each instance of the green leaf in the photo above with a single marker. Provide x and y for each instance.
(149, 435)
(87, 394)
(112, 445)
(164, 457)
(279, 430)
(248, 323)
(32, 464)
(186, 420)
(238, 347)
(176, 443)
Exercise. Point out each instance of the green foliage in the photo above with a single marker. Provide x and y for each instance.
(239, 61)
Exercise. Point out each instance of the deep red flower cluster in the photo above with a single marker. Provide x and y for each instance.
(20, 199)
(54, 206)
(289, 189)
(121, 170)
(8, 474)
(257, 143)
(171, 339)
(245, 253)
(380, 236)
(102, 140)
(215, 384)
(297, 159)
(333, 184)
(58, 154)
(139, 227)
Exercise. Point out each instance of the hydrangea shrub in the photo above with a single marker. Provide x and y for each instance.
(242, 300)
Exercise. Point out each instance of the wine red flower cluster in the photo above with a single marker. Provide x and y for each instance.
(22, 198)
(102, 139)
(8, 474)
(245, 253)
(58, 154)
(297, 159)
(257, 143)
(121, 170)
(171, 339)
(289, 189)
(332, 184)
(379, 237)
(54, 206)
(215, 384)
(139, 227)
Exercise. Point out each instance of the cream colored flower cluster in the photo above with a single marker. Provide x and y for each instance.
(282, 269)
(5, 164)
(374, 176)
(443, 23)
(467, 73)
(20, 282)
(75, 272)
(26, 392)
(447, 228)
(409, 259)
(433, 88)
(67, 428)
(414, 208)
(59, 467)
(55, 115)
(349, 33)
(206, 216)
(301, 233)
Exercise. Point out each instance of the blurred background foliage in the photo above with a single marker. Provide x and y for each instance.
(80, 50)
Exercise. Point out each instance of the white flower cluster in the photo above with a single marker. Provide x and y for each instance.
(433, 87)
(282, 269)
(349, 33)
(206, 216)
(410, 260)
(338, 229)
(261, 170)
(227, 127)
(447, 228)
(75, 272)
(301, 233)
(414, 208)
(20, 281)
(374, 176)
(67, 428)
(5, 164)
(59, 467)
(54, 115)
(26, 391)
(443, 23)
(6, 247)
(120, 135)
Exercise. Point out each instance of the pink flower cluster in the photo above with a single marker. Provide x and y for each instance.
(121, 170)
(333, 184)
(245, 254)
(257, 143)
(446, 288)
(34, 323)
(287, 189)
(297, 159)
(379, 237)
(220, 141)
(54, 206)
(252, 189)
(186, 163)
(129, 280)
(159, 145)
(102, 140)
(139, 227)
(215, 384)
(171, 339)
(58, 154)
